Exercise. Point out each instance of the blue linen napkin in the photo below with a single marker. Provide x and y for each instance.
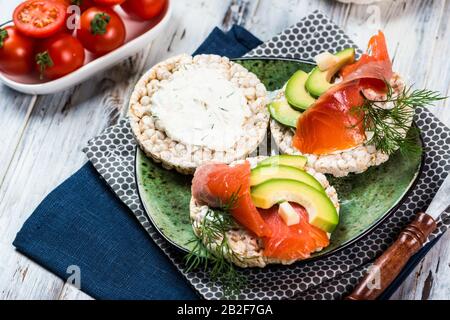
(82, 223)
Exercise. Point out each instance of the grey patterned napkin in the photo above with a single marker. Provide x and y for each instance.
(113, 155)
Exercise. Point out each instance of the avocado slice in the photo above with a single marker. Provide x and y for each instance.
(296, 93)
(320, 81)
(263, 173)
(298, 162)
(281, 111)
(321, 210)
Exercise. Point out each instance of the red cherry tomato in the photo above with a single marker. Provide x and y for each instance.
(144, 9)
(83, 4)
(16, 52)
(40, 18)
(101, 30)
(108, 2)
(59, 55)
(66, 2)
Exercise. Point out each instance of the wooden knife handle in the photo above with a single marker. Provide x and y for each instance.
(387, 267)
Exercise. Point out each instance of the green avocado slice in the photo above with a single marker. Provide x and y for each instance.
(282, 112)
(320, 81)
(296, 93)
(298, 162)
(321, 210)
(263, 173)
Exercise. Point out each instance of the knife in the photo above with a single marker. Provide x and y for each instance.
(388, 266)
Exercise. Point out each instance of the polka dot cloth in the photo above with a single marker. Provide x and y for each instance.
(309, 37)
(113, 155)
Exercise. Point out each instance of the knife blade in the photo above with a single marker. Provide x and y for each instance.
(441, 200)
(387, 267)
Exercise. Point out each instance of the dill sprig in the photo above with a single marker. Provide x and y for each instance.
(212, 250)
(391, 128)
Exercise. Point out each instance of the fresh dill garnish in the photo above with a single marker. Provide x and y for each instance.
(212, 250)
(390, 127)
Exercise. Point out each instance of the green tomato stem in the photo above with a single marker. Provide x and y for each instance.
(99, 23)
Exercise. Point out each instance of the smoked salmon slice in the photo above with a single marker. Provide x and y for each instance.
(216, 185)
(291, 242)
(375, 64)
(332, 124)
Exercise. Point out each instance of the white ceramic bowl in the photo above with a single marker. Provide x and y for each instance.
(139, 35)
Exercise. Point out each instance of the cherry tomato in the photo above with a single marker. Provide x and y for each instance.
(83, 4)
(108, 2)
(59, 55)
(66, 2)
(66, 27)
(16, 52)
(40, 18)
(101, 30)
(144, 9)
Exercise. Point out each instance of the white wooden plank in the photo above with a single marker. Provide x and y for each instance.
(438, 65)
(15, 112)
(21, 279)
(60, 125)
(69, 292)
(269, 17)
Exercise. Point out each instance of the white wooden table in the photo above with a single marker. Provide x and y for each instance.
(42, 136)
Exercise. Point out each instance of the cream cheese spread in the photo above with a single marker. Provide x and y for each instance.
(200, 106)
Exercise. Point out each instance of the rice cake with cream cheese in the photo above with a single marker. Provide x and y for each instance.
(186, 111)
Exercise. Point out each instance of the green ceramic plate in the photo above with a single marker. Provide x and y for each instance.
(366, 199)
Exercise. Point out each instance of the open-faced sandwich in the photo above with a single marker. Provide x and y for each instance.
(186, 111)
(345, 115)
(263, 210)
